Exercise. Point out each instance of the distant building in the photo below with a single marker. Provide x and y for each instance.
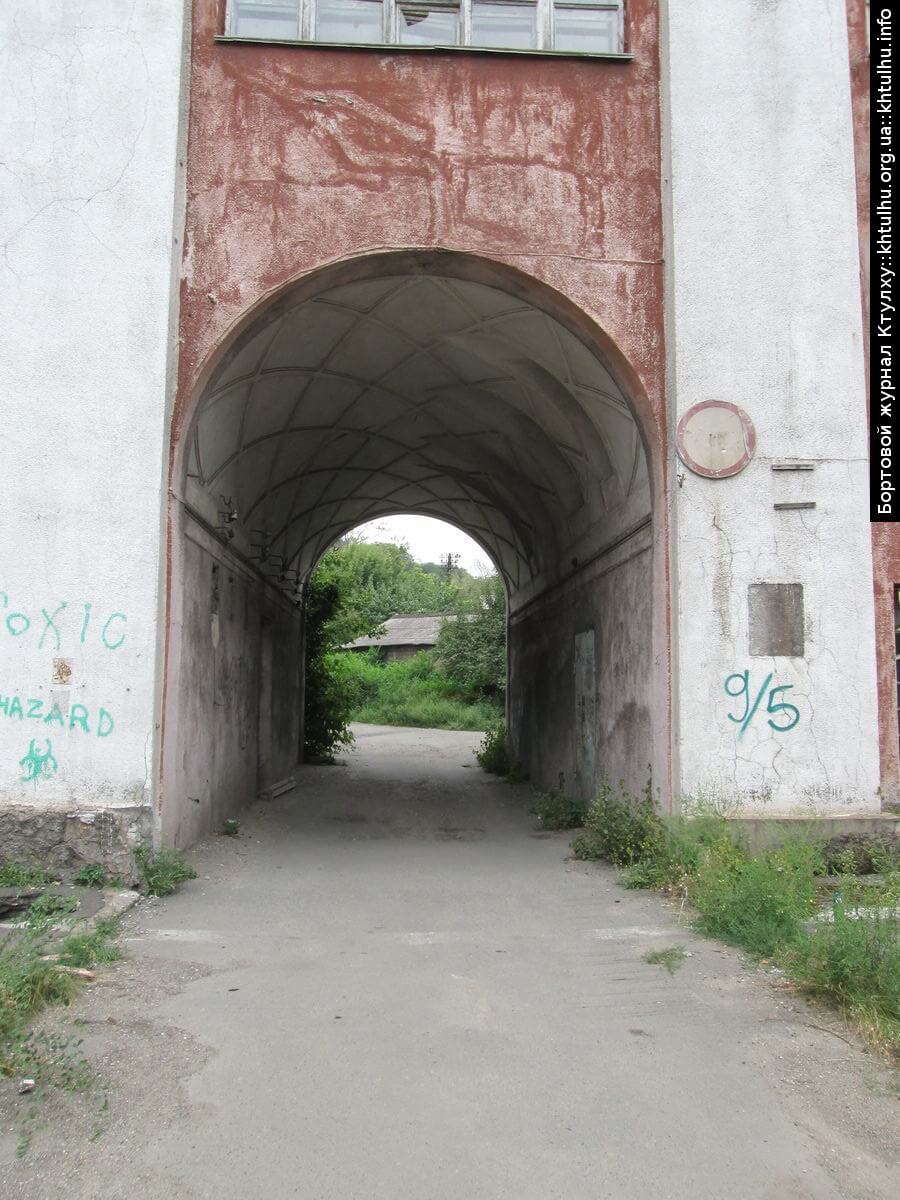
(405, 636)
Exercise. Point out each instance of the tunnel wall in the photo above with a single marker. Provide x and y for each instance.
(239, 688)
(580, 677)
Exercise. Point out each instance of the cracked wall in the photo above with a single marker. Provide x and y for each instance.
(763, 311)
(89, 127)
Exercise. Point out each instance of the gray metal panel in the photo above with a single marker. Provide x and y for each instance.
(776, 619)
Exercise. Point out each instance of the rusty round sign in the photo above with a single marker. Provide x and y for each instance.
(715, 439)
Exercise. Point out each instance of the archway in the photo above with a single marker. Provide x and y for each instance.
(433, 384)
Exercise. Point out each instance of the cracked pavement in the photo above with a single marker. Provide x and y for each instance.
(390, 984)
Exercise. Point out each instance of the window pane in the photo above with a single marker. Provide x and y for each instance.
(265, 18)
(420, 25)
(504, 25)
(349, 21)
(586, 29)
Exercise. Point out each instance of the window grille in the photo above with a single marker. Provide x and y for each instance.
(577, 26)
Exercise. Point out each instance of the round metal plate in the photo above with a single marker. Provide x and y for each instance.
(715, 439)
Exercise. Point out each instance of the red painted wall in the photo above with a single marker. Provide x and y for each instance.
(885, 538)
(303, 157)
(298, 157)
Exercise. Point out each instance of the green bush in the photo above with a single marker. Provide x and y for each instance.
(331, 698)
(757, 903)
(471, 649)
(672, 858)
(619, 828)
(855, 963)
(555, 810)
(492, 754)
(162, 871)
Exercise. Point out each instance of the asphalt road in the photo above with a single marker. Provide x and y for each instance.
(391, 985)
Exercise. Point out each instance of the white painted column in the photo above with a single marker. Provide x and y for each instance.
(764, 312)
(90, 122)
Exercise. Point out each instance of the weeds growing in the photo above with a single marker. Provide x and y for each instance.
(618, 828)
(855, 962)
(16, 874)
(89, 949)
(671, 958)
(91, 875)
(555, 810)
(765, 902)
(492, 753)
(162, 871)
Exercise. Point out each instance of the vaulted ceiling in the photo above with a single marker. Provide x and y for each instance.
(417, 394)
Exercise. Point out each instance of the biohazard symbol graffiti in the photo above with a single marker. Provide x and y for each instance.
(38, 764)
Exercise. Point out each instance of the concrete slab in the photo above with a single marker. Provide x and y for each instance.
(392, 985)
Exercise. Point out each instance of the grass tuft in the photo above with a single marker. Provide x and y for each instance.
(27, 985)
(16, 874)
(162, 871)
(88, 949)
(671, 958)
(555, 810)
(91, 875)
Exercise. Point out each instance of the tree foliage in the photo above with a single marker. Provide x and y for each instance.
(354, 589)
(472, 648)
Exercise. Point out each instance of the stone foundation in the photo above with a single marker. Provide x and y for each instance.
(67, 840)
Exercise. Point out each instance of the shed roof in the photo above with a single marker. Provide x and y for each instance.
(421, 629)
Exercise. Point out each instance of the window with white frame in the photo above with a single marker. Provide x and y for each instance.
(577, 26)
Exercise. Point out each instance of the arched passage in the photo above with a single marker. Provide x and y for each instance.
(411, 384)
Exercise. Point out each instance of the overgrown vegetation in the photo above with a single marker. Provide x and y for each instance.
(618, 828)
(89, 948)
(17, 874)
(492, 753)
(28, 983)
(94, 875)
(413, 691)
(471, 649)
(47, 910)
(33, 971)
(773, 903)
(556, 810)
(162, 870)
(460, 685)
(36, 972)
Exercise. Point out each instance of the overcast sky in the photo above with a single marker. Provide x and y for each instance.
(428, 540)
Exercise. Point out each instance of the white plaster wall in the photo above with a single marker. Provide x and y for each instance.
(764, 311)
(89, 132)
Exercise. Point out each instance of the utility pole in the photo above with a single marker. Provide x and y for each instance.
(450, 563)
